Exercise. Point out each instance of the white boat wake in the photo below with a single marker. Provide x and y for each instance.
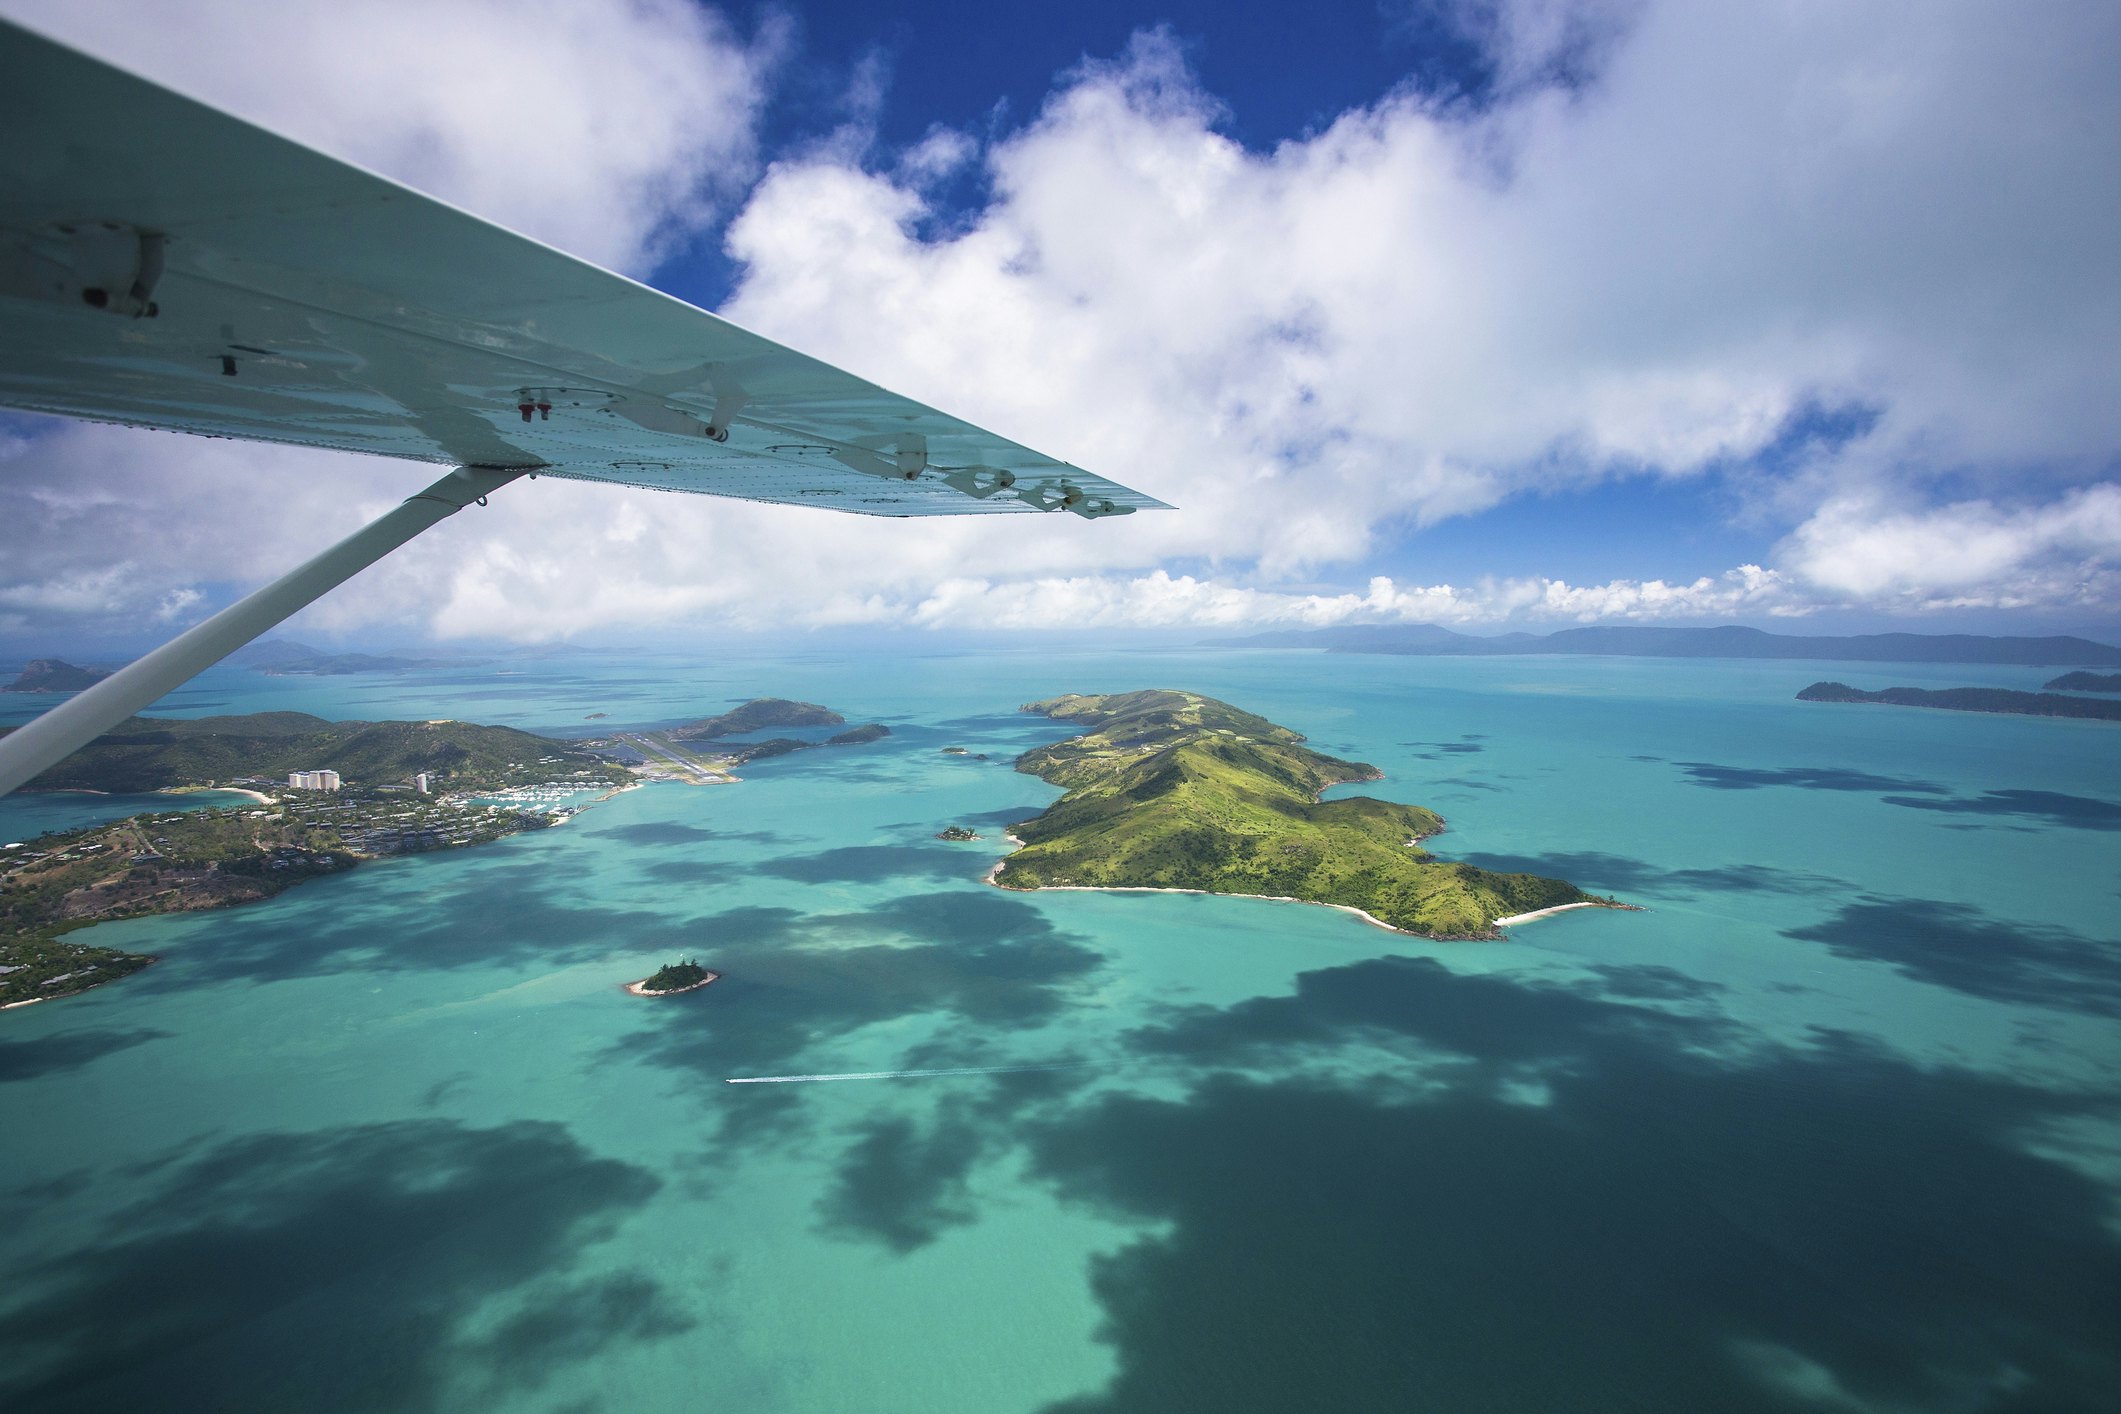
(893, 1074)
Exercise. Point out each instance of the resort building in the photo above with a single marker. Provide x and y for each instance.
(313, 780)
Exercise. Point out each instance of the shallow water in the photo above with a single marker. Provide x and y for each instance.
(1831, 1125)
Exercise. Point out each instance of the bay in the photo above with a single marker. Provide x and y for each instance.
(1831, 1124)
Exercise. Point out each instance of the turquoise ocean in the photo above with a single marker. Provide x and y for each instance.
(1831, 1125)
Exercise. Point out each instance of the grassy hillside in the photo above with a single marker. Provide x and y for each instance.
(1175, 790)
(147, 753)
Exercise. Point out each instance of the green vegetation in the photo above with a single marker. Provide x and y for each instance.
(859, 736)
(150, 753)
(2085, 682)
(1174, 790)
(677, 977)
(182, 861)
(756, 716)
(955, 832)
(1969, 699)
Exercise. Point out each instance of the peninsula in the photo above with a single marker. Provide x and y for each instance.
(403, 788)
(262, 748)
(2084, 682)
(181, 861)
(1970, 699)
(1173, 790)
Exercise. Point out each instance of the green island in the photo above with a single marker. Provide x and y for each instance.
(955, 832)
(695, 753)
(54, 675)
(1970, 699)
(672, 978)
(2084, 682)
(1173, 790)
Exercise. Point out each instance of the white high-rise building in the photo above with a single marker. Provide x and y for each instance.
(424, 783)
(313, 780)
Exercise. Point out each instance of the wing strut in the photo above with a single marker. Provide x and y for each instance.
(41, 744)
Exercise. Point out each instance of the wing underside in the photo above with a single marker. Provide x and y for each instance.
(165, 265)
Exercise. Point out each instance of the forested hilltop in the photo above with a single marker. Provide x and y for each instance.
(1174, 790)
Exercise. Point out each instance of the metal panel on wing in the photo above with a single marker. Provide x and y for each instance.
(163, 264)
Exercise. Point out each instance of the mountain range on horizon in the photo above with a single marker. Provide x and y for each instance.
(1727, 641)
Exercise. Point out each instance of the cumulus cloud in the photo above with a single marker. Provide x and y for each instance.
(1723, 217)
(1163, 600)
(609, 130)
(1972, 553)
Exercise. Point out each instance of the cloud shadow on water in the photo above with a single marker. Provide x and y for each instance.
(47, 1055)
(1677, 1221)
(2076, 812)
(1804, 777)
(792, 982)
(1597, 870)
(872, 864)
(676, 832)
(336, 1270)
(1958, 946)
(518, 912)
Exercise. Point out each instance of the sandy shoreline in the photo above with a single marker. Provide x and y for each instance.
(1545, 913)
(1369, 918)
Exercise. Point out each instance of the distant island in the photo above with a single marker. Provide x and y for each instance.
(1969, 699)
(1730, 641)
(54, 675)
(672, 979)
(2085, 682)
(955, 832)
(1173, 790)
(173, 753)
(281, 657)
(676, 753)
(757, 715)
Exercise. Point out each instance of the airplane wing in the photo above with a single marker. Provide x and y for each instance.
(166, 265)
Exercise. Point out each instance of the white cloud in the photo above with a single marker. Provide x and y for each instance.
(1163, 600)
(606, 129)
(1408, 317)
(1965, 553)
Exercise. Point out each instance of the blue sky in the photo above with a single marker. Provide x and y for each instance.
(1495, 313)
